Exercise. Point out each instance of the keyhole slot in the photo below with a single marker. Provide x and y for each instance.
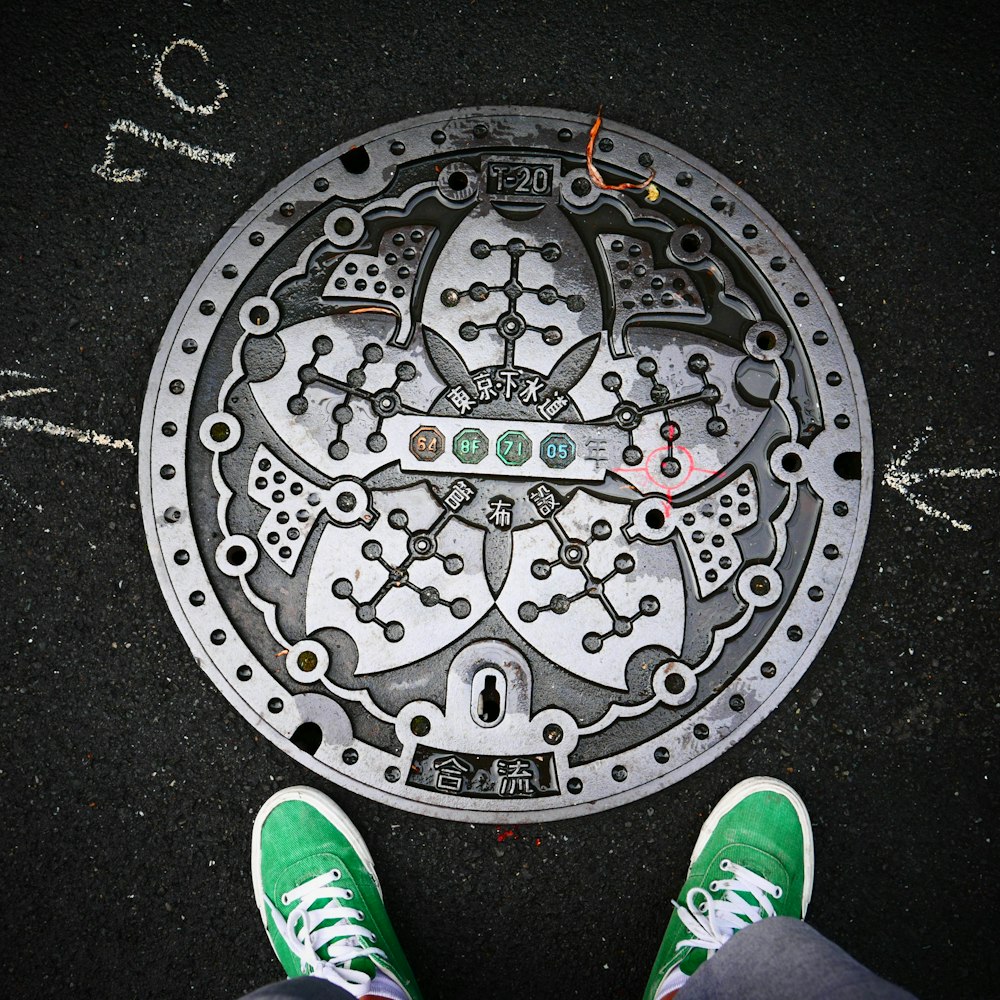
(489, 697)
(488, 706)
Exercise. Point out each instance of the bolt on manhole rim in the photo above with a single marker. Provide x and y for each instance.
(493, 492)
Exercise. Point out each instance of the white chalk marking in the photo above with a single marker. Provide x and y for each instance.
(123, 175)
(901, 479)
(956, 474)
(14, 495)
(22, 393)
(171, 95)
(13, 373)
(35, 424)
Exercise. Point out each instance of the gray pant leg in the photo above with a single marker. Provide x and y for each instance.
(300, 988)
(785, 959)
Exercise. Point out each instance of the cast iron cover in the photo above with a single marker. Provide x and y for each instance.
(494, 482)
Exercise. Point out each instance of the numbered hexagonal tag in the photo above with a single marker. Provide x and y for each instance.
(470, 446)
(426, 443)
(558, 451)
(513, 448)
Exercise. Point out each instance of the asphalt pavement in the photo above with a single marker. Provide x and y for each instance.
(128, 784)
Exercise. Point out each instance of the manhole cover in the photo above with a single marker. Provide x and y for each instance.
(492, 491)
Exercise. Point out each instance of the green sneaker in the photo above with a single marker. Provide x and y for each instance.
(320, 899)
(753, 859)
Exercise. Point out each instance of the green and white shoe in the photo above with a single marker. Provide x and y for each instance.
(320, 899)
(753, 859)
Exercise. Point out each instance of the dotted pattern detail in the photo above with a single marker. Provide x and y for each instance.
(383, 278)
(709, 528)
(642, 290)
(292, 503)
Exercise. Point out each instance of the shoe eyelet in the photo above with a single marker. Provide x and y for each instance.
(778, 892)
(360, 916)
(348, 894)
(335, 875)
(284, 899)
(713, 886)
(725, 864)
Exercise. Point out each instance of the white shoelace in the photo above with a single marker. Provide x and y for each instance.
(714, 921)
(344, 941)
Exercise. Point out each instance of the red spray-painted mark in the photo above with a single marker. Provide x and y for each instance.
(514, 833)
(654, 475)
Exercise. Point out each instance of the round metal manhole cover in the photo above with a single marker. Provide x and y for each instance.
(495, 490)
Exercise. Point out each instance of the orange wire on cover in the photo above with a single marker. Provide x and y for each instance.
(595, 174)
